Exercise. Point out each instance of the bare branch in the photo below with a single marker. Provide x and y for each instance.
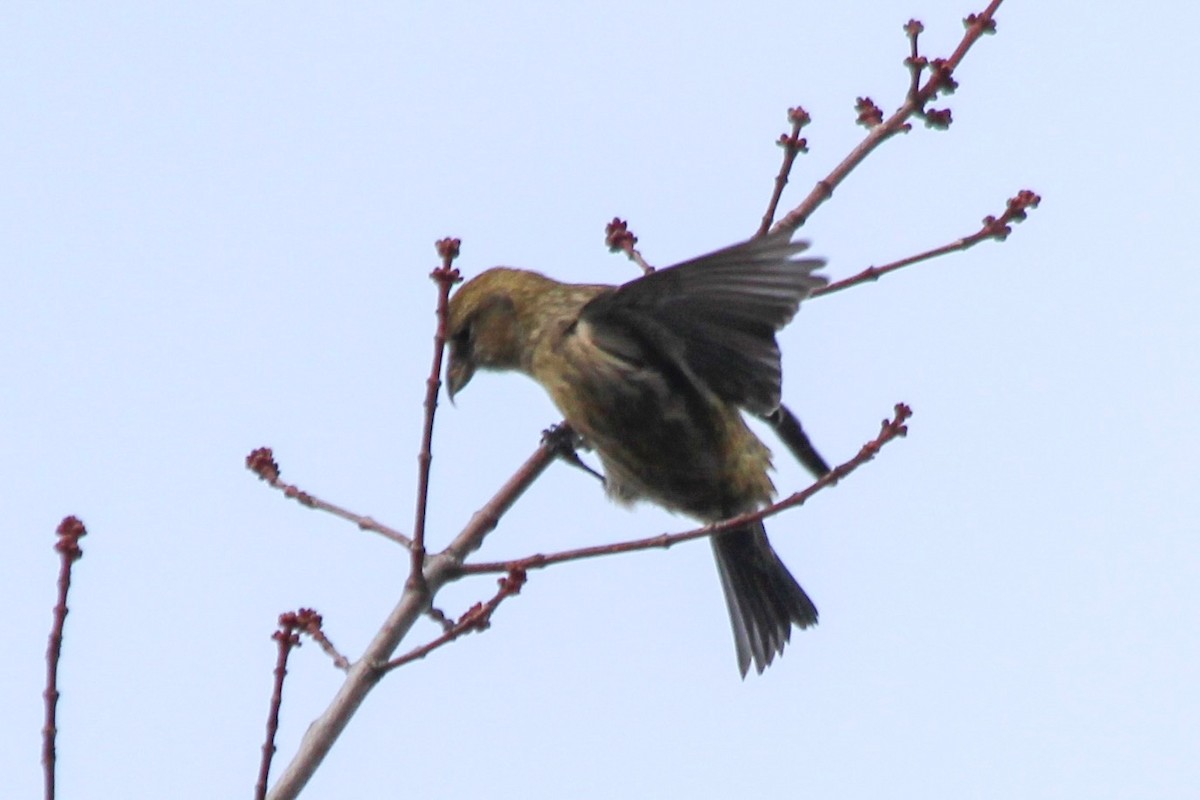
(792, 146)
(940, 81)
(262, 463)
(285, 638)
(997, 228)
(890, 429)
(365, 673)
(69, 532)
(619, 238)
(477, 618)
(445, 277)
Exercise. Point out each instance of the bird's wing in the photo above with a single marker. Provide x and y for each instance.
(714, 316)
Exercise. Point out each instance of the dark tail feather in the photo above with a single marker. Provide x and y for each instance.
(764, 599)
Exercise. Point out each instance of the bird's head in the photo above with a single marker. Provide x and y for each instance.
(489, 323)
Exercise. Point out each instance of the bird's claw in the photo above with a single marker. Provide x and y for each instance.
(563, 439)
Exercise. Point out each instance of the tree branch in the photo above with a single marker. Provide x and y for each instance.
(940, 80)
(366, 672)
(890, 429)
(261, 462)
(997, 228)
(69, 532)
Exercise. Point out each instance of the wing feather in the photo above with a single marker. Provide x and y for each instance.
(714, 316)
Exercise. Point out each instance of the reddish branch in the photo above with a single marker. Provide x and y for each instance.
(997, 228)
(310, 624)
(262, 463)
(477, 618)
(287, 638)
(619, 238)
(69, 532)
(365, 673)
(889, 429)
(792, 146)
(554, 443)
(940, 81)
(445, 277)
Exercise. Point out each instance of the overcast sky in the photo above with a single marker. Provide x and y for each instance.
(216, 226)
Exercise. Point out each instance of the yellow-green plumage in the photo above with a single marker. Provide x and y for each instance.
(653, 375)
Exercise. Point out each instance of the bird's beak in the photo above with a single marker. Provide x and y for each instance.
(458, 375)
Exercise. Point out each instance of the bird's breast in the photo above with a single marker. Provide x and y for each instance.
(659, 436)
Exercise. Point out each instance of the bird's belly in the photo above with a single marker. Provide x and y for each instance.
(659, 443)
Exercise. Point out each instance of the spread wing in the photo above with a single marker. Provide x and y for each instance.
(714, 317)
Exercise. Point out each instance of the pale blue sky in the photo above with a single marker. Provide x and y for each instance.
(217, 224)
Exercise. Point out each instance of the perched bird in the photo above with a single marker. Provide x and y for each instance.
(654, 375)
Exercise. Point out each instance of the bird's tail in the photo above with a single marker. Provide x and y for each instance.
(764, 599)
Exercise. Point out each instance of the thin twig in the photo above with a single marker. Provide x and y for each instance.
(890, 429)
(619, 238)
(69, 532)
(286, 639)
(445, 276)
(365, 673)
(792, 146)
(997, 228)
(262, 463)
(477, 618)
(940, 80)
(314, 630)
(915, 62)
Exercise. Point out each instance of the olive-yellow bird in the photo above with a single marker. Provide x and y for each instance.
(655, 375)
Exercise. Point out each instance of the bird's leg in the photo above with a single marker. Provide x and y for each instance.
(565, 442)
(787, 427)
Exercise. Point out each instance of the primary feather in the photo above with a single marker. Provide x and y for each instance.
(717, 313)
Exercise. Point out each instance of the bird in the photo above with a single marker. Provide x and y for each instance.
(655, 375)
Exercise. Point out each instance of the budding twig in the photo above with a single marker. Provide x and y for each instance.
(618, 237)
(890, 429)
(792, 146)
(445, 276)
(262, 463)
(365, 673)
(940, 81)
(69, 532)
(476, 618)
(287, 638)
(997, 228)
